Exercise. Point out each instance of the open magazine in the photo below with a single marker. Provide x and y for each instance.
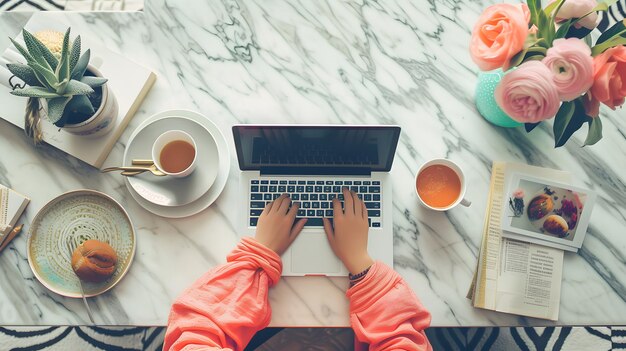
(515, 276)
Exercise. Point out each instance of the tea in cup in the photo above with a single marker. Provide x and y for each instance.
(440, 185)
(174, 153)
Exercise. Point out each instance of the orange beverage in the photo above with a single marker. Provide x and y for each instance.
(177, 156)
(438, 186)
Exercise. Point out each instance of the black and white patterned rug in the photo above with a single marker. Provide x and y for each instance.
(81, 338)
(611, 338)
(529, 339)
(71, 5)
(31, 5)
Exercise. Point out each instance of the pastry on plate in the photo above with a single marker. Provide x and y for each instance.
(94, 261)
(540, 206)
(557, 225)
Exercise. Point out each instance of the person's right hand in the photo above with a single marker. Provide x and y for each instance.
(348, 238)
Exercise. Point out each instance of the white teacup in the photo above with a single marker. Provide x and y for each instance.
(166, 138)
(453, 166)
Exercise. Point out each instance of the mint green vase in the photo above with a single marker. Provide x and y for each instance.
(486, 102)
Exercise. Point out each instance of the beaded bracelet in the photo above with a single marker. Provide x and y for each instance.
(354, 279)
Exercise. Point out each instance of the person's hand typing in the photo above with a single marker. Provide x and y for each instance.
(348, 233)
(276, 228)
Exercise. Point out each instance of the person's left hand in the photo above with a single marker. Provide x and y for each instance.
(276, 229)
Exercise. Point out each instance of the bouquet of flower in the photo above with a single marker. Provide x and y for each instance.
(552, 70)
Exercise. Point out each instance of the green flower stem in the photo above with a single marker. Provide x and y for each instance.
(615, 41)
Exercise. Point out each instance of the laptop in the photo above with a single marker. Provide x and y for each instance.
(312, 163)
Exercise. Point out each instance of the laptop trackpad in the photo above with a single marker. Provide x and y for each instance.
(311, 253)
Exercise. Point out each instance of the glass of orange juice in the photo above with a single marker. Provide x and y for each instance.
(440, 185)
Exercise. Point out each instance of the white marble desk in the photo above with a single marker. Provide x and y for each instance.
(393, 62)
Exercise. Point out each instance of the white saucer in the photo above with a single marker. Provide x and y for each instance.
(220, 181)
(170, 191)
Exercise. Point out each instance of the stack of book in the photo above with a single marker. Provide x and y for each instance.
(12, 205)
(532, 217)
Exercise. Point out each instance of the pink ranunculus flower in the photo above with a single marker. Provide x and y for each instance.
(571, 63)
(518, 193)
(577, 9)
(609, 81)
(528, 94)
(499, 34)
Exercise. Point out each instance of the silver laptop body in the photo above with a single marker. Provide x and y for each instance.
(311, 163)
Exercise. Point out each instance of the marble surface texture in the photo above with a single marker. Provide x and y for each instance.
(350, 62)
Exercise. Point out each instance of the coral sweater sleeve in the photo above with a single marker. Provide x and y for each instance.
(225, 308)
(386, 314)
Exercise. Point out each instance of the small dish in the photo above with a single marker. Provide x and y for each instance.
(170, 191)
(220, 181)
(78, 216)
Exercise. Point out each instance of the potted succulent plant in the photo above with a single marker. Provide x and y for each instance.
(63, 87)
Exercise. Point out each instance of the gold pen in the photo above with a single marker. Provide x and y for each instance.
(10, 236)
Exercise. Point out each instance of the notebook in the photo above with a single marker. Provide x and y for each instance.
(129, 81)
(12, 205)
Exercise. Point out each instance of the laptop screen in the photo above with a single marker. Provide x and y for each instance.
(294, 146)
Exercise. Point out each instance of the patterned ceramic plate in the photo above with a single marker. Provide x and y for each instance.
(66, 222)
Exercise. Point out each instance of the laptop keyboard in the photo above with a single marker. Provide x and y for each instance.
(315, 197)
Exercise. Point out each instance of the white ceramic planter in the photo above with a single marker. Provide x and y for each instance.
(103, 120)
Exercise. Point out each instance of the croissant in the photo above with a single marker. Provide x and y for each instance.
(540, 206)
(94, 261)
(556, 225)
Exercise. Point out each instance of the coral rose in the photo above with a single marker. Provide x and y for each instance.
(609, 81)
(499, 34)
(571, 63)
(528, 94)
(577, 9)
